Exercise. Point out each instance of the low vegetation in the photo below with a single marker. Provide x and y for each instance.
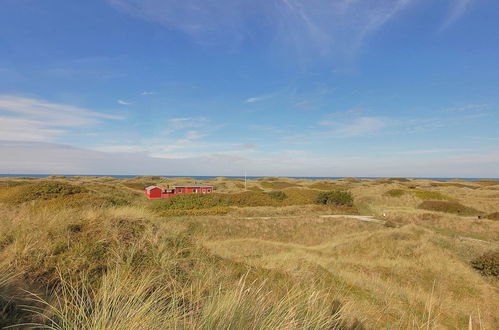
(395, 193)
(95, 254)
(487, 264)
(493, 216)
(448, 206)
(335, 198)
(38, 191)
(430, 195)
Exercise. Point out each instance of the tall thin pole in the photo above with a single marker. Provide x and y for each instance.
(245, 186)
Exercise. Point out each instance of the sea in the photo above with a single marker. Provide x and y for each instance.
(208, 177)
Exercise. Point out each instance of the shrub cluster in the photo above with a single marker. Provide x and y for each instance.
(448, 207)
(43, 190)
(487, 264)
(493, 216)
(278, 195)
(335, 197)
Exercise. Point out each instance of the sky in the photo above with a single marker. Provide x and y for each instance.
(267, 87)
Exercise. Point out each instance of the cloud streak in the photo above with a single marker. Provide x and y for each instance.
(30, 119)
(458, 9)
(323, 27)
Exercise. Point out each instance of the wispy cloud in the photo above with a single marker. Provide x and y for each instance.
(321, 26)
(357, 127)
(258, 98)
(484, 138)
(29, 119)
(148, 93)
(429, 151)
(123, 102)
(457, 10)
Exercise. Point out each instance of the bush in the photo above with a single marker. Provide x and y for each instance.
(42, 190)
(277, 195)
(448, 207)
(487, 264)
(187, 202)
(394, 193)
(81, 200)
(493, 216)
(335, 197)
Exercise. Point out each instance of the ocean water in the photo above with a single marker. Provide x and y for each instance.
(207, 177)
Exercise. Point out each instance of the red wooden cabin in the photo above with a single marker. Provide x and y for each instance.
(155, 192)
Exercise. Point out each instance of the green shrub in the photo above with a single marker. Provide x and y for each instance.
(278, 195)
(487, 264)
(187, 202)
(42, 190)
(335, 197)
(493, 216)
(248, 198)
(299, 196)
(395, 192)
(448, 207)
(82, 200)
(431, 195)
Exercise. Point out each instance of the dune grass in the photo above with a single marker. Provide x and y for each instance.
(269, 262)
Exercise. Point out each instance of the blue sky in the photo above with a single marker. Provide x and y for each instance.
(273, 87)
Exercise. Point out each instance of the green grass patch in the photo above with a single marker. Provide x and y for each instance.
(322, 186)
(430, 195)
(448, 207)
(395, 193)
(277, 185)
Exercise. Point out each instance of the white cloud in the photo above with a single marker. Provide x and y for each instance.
(148, 93)
(54, 158)
(123, 102)
(29, 119)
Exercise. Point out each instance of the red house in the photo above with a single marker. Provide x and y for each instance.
(155, 192)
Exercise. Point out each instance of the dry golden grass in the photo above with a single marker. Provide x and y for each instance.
(121, 265)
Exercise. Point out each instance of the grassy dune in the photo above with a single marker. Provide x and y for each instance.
(93, 253)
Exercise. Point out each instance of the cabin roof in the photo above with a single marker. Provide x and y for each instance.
(152, 187)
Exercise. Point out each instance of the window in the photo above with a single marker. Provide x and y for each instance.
(204, 190)
(179, 191)
(195, 190)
